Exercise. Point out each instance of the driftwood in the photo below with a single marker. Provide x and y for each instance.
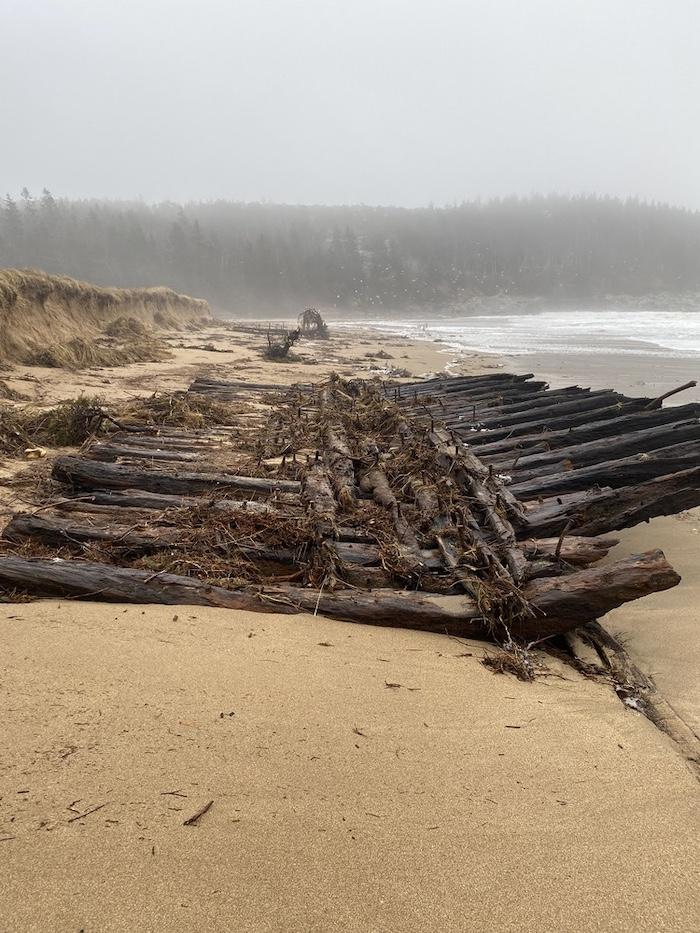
(342, 470)
(648, 453)
(111, 452)
(480, 436)
(611, 448)
(565, 406)
(571, 549)
(142, 537)
(317, 493)
(142, 499)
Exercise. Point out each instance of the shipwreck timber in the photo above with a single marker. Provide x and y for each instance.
(472, 505)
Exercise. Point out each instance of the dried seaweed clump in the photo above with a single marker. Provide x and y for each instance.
(512, 659)
(68, 424)
(178, 409)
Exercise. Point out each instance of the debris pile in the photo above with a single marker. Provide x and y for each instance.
(312, 325)
(474, 506)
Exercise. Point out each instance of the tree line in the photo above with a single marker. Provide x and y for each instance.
(252, 256)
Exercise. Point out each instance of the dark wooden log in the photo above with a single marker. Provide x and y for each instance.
(658, 402)
(366, 578)
(172, 442)
(546, 399)
(374, 481)
(55, 530)
(611, 448)
(490, 499)
(558, 604)
(474, 404)
(505, 451)
(442, 385)
(449, 457)
(501, 407)
(590, 594)
(92, 474)
(142, 499)
(107, 513)
(579, 551)
(140, 534)
(600, 511)
(466, 578)
(112, 452)
(558, 409)
(483, 436)
(622, 472)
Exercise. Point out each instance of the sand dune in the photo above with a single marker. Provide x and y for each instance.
(59, 317)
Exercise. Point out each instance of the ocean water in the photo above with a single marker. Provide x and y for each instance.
(665, 334)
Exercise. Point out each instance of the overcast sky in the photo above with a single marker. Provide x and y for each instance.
(340, 101)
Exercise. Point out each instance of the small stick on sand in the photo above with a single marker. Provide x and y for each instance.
(87, 813)
(192, 821)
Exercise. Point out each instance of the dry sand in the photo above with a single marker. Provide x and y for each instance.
(460, 800)
(238, 356)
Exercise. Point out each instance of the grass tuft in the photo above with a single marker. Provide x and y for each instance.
(84, 354)
(68, 424)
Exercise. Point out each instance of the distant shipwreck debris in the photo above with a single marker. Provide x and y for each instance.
(312, 325)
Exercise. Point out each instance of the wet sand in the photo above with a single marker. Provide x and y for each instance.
(629, 372)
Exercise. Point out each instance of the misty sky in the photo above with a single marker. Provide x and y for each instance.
(334, 101)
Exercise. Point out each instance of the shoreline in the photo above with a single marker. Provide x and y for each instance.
(631, 366)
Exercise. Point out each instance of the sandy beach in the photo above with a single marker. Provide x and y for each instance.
(460, 800)
(361, 778)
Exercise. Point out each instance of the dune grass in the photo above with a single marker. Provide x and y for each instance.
(51, 320)
(83, 354)
(39, 287)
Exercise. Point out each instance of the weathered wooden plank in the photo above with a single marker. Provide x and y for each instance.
(559, 604)
(622, 472)
(505, 451)
(93, 474)
(599, 452)
(599, 511)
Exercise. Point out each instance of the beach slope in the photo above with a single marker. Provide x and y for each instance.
(361, 779)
